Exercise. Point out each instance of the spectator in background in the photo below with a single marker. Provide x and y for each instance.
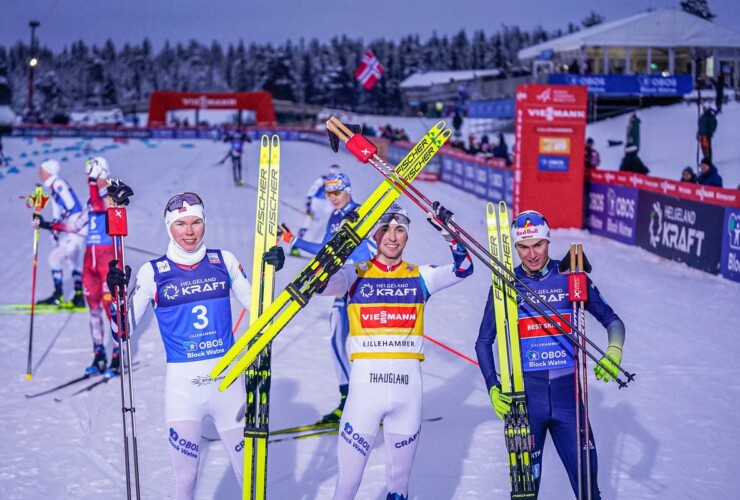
(592, 157)
(633, 134)
(719, 88)
(457, 121)
(707, 127)
(501, 150)
(709, 175)
(457, 141)
(632, 162)
(688, 175)
(3, 159)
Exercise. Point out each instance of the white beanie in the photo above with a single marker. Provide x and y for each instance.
(51, 166)
(186, 210)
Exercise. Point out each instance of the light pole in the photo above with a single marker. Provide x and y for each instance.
(32, 64)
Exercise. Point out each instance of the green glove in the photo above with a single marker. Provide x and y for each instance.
(501, 402)
(611, 362)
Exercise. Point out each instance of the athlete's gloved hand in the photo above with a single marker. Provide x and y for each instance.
(284, 234)
(501, 402)
(38, 221)
(119, 191)
(114, 320)
(97, 168)
(117, 278)
(274, 257)
(351, 216)
(611, 361)
(440, 214)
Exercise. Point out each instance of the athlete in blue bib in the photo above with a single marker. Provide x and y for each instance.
(547, 358)
(189, 288)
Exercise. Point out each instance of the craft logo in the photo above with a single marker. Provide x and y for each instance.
(733, 228)
(163, 266)
(388, 317)
(171, 292)
(555, 145)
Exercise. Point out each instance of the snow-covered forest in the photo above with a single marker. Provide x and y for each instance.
(85, 76)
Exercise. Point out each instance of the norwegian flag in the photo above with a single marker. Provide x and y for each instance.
(369, 71)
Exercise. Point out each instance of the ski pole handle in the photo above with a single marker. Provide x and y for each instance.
(356, 143)
(38, 199)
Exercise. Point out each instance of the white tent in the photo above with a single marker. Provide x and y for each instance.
(659, 28)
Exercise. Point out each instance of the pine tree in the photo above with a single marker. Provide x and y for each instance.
(698, 8)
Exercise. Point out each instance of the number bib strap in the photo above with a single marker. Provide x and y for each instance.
(193, 308)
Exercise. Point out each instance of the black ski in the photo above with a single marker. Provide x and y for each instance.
(90, 387)
(62, 386)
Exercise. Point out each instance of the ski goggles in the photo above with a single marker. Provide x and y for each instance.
(529, 218)
(388, 219)
(177, 202)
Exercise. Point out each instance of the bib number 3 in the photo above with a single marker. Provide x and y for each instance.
(200, 315)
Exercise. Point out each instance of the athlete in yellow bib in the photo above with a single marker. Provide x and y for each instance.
(386, 314)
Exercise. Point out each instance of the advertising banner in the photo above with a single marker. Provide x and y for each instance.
(549, 131)
(730, 262)
(646, 85)
(484, 180)
(681, 230)
(612, 212)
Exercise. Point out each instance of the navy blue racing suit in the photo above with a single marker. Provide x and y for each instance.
(548, 366)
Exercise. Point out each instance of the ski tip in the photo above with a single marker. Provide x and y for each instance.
(490, 208)
(502, 208)
(265, 141)
(275, 141)
(440, 125)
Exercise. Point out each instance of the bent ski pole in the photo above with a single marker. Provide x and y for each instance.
(37, 200)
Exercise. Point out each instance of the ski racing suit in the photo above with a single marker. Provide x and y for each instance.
(193, 310)
(98, 254)
(338, 320)
(318, 209)
(548, 366)
(68, 240)
(386, 312)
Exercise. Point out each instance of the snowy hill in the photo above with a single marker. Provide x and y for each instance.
(669, 435)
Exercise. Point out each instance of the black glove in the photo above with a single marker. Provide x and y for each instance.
(38, 221)
(334, 140)
(351, 216)
(441, 214)
(119, 192)
(274, 257)
(117, 278)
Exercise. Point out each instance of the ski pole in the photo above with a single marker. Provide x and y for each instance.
(584, 369)
(450, 349)
(117, 227)
(37, 200)
(345, 134)
(574, 293)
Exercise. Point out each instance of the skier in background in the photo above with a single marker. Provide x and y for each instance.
(318, 209)
(236, 149)
(707, 126)
(550, 392)
(338, 190)
(189, 289)
(68, 244)
(386, 346)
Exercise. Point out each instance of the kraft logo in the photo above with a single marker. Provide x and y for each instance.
(366, 290)
(545, 95)
(171, 292)
(733, 227)
(656, 224)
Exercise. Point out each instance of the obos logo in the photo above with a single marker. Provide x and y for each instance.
(348, 428)
(733, 227)
(171, 291)
(366, 290)
(656, 224)
(611, 202)
(532, 355)
(173, 434)
(190, 346)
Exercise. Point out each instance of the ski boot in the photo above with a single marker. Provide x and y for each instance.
(99, 361)
(336, 415)
(114, 368)
(55, 299)
(79, 299)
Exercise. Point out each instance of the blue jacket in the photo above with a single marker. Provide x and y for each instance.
(710, 178)
(536, 346)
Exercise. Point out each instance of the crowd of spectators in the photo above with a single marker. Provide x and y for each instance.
(483, 147)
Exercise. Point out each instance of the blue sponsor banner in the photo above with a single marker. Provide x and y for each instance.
(730, 259)
(553, 163)
(681, 230)
(500, 108)
(653, 85)
(482, 180)
(612, 212)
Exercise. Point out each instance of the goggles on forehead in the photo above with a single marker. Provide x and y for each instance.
(525, 219)
(387, 219)
(177, 201)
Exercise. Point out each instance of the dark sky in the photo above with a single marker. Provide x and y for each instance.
(94, 21)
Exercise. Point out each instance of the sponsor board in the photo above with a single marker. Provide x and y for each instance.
(680, 230)
(653, 85)
(730, 257)
(612, 212)
(488, 180)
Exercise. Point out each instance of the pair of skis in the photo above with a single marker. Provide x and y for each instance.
(333, 255)
(258, 373)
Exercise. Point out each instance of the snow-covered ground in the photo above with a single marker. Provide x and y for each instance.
(670, 435)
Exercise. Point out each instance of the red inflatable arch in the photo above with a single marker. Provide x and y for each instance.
(162, 101)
